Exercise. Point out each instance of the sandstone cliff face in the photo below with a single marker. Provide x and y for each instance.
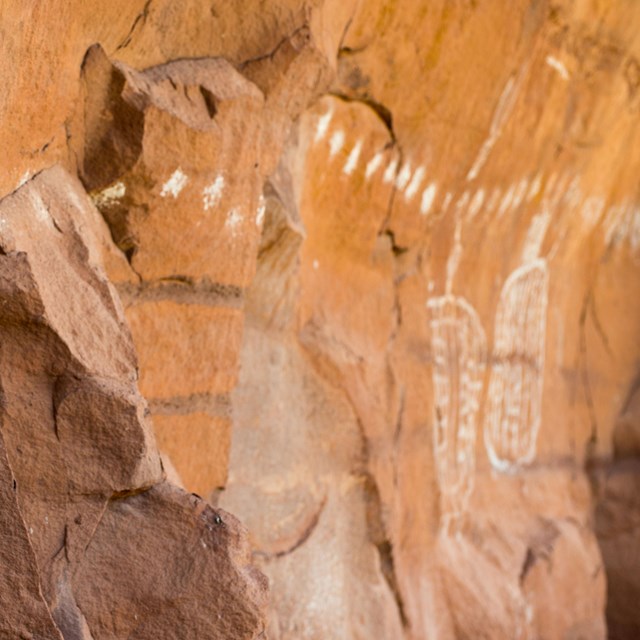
(103, 546)
(373, 265)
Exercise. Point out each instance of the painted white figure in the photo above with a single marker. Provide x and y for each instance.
(323, 125)
(336, 143)
(373, 165)
(514, 400)
(175, 184)
(459, 348)
(501, 115)
(428, 197)
(352, 160)
(458, 345)
(212, 194)
(556, 64)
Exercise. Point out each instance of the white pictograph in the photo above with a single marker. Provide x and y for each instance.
(374, 164)
(175, 184)
(514, 400)
(459, 348)
(459, 359)
(428, 197)
(503, 111)
(554, 63)
(352, 160)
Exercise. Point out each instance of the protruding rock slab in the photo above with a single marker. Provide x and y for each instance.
(85, 510)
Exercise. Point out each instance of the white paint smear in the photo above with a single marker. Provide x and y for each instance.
(352, 160)
(534, 189)
(428, 196)
(573, 195)
(554, 63)
(212, 194)
(536, 235)
(520, 192)
(40, 209)
(613, 227)
(507, 201)
(323, 125)
(455, 256)
(462, 202)
(336, 143)
(110, 195)
(373, 165)
(234, 220)
(175, 184)
(447, 201)
(262, 207)
(403, 177)
(592, 210)
(26, 176)
(415, 183)
(505, 106)
(622, 223)
(390, 172)
(476, 204)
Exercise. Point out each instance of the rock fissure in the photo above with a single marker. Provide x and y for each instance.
(140, 19)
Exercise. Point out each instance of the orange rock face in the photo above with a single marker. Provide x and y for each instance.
(374, 267)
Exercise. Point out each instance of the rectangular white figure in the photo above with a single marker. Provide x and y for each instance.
(458, 345)
(513, 412)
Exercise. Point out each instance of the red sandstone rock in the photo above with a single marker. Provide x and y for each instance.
(88, 510)
(439, 294)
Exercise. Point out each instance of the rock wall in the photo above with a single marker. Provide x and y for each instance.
(373, 265)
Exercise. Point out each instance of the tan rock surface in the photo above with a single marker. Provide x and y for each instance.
(185, 438)
(456, 281)
(389, 251)
(85, 509)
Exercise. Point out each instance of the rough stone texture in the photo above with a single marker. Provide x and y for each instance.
(24, 610)
(184, 438)
(389, 251)
(175, 157)
(97, 545)
(187, 349)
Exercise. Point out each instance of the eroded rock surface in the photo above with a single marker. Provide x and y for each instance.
(379, 261)
(98, 544)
